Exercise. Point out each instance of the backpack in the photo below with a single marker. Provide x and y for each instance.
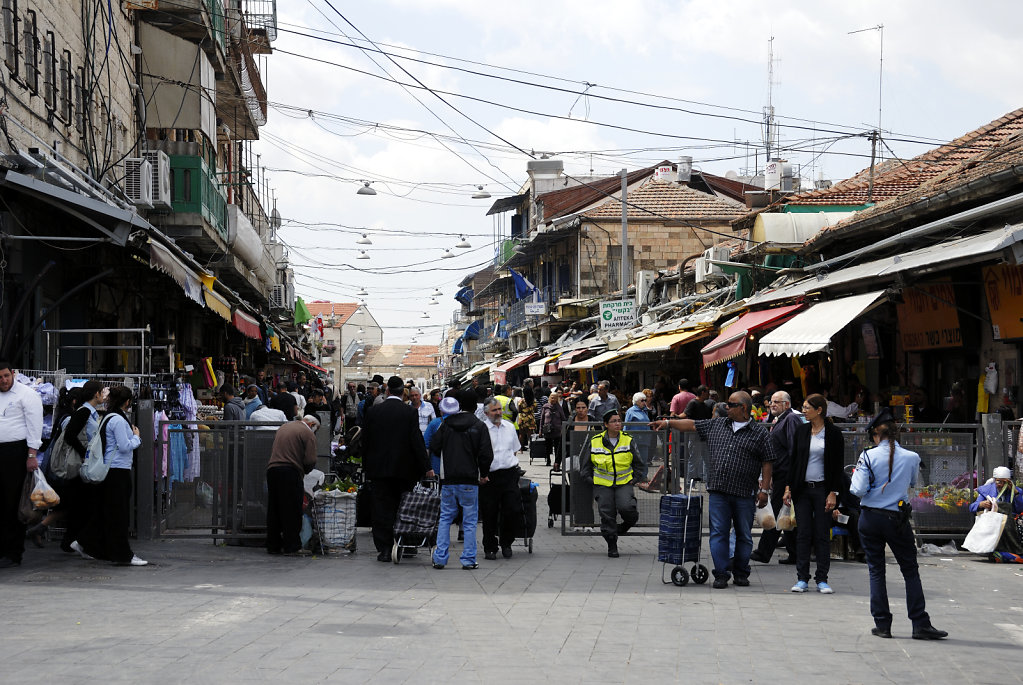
(94, 469)
(64, 462)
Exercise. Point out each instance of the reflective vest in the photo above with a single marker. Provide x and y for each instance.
(611, 467)
(506, 413)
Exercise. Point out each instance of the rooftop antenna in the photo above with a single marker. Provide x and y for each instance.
(880, 67)
(770, 128)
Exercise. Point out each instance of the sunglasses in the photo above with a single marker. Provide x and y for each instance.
(734, 405)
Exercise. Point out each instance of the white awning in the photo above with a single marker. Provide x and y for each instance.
(812, 330)
(537, 368)
(608, 357)
(984, 247)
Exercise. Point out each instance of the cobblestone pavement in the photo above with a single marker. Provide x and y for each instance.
(202, 613)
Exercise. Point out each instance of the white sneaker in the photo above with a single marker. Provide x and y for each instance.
(78, 548)
(136, 561)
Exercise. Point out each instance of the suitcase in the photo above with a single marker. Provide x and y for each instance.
(537, 449)
(528, 493)
(554, 506)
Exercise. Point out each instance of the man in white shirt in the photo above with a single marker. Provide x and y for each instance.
(500, 502)
(425, 409)
(21, 434)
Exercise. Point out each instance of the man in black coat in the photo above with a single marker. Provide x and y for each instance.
(785, 420)
(395, 458)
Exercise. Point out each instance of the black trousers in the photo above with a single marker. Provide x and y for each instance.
(283, 510)
(79, 501)
(554, 446)
(813, 530)
(106, 534)
(769, 538)
(878, 528)
(501, 509)
(387, 494)
(13, 456)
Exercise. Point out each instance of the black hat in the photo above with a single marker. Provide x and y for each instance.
(607, 415)
(378, 379)
(395, 383)
(883, 416)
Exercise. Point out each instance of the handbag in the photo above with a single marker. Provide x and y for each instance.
(94, 469)
(987, 530)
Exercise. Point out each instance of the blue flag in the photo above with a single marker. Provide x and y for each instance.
(523, 287)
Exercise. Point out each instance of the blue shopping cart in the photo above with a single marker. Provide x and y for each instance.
(680, 536)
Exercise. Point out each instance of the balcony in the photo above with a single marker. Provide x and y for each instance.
(261, 24)
(199, 21)
(241, 97)
(199, 214)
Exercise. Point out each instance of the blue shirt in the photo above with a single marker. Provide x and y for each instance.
(873, 466)
(431, 430)
(251, 406)
(121, 443)
(639, 416)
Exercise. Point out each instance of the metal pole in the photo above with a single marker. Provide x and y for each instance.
(625, 234)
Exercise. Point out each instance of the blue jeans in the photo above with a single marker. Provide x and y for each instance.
(728, 512)
(451, 498)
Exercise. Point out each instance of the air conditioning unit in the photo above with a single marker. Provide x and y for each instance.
(138, 181)
(705, 269)
(279, 297)
(161, 178)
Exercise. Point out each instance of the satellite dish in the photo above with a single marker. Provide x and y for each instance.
(731, 176)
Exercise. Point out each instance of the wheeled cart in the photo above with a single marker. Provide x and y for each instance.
(680, 537)
(527, 491)
(556, 506)
(415, 525)
(537, 449)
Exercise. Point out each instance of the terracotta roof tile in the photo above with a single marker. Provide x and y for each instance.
(671, 200)
(895, 177)
(342, 310)
(384, 356)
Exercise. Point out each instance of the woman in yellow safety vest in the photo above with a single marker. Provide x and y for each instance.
(613, 464)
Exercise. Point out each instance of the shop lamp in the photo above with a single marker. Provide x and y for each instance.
(447, 254)
(480, 194)
(365, 189)
(364, 240)
(362, 255)
(362, 293)
(462, 242)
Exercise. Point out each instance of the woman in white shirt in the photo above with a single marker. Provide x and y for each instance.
(815, 477)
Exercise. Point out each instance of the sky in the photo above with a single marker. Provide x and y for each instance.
(602, 85)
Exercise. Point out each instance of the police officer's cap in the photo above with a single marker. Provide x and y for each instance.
(608, 415)
(883, 416)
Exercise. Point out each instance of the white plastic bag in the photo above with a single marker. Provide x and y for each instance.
(987, 530)
(786, 517)
(42, 495)
(765, 517)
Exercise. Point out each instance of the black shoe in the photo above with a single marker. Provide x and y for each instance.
(881, 632)
(741, 582)
(506, 552)
(384, 557)
(612, 550)
(490, 556)
(439, 567)
(7, 562)
(470, 567)
(788, 561)
(929, 633)
(755, 555)
(720, 583)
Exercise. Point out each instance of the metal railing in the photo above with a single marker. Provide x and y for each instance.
(194, 188)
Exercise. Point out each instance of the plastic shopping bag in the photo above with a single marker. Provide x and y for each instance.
(765, 517)
(786, 517)
(26, 510)
(986, 532)
(42, 496)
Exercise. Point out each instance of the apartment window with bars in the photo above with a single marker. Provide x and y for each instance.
(614, 266)
(80, 100)
(11, 45)
(30, 45)
(49, 72)
(67, 87)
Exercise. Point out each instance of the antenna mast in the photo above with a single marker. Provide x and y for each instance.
(770, 128)
(880, 67)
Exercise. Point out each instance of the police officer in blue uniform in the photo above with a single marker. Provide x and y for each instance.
(882, 479)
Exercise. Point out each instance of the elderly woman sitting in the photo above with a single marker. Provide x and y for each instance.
(1002, 490)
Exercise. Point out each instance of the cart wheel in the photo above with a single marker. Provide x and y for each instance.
(530, 545)
(679, 576)
(550, 522)
(700, 574)
(396, 553)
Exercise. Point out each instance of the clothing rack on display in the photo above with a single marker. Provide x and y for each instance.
(142, 347)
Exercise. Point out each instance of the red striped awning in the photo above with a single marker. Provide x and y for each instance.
(731, 341)
(248, 325)
(500, 372)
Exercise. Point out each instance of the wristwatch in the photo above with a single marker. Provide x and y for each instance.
(766, 492)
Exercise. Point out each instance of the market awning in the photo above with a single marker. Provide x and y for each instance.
(472, 332)
(478, 370)
(162, 259)
(312, 366)
(216, 303)
(664, 342)
(568, 357)
(537, 367)
(499, 372)
(731, 342)
(602, 359)
(248, 326)
(457, 347)
(812, 330)
(464, 295)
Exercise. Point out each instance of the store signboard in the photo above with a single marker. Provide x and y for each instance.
(535, 308)
(617, 314)
(1003, 285)
(928, 318)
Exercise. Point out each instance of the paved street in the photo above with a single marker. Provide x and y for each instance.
(207, 614)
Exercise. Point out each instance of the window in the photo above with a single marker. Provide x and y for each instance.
(614, 266)
(49, 72)
(67, 87)
(30, 47)
(10, 18)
